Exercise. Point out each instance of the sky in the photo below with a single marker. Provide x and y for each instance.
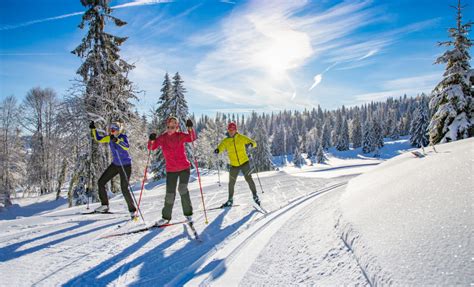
(239, 56)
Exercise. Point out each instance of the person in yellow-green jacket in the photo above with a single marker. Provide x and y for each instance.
(235, 145)
(121, 164)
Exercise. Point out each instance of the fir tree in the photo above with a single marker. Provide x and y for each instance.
(367, 137)
(356, 132)
(107, 92)
(262, 156)
(320, 156)
(343, 138)
(418, 130)
(452, 100)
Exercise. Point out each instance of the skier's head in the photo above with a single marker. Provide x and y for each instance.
(232, 128)
(172, 125)
(115, 128)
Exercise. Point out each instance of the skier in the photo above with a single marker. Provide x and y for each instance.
(235, 144)
(121, 164)
(172, 142)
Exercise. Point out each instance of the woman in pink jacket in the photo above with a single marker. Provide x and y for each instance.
(172, 143)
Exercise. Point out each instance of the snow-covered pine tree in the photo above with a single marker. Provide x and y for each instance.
(337, 129)
(320, 156)
(452, 99)
(419, 125)
(356, 132)
(367, 137)
(393, 128)
(326, 135)
(160, 115)
(312, 142)
(377, 133)
(262, 156)
(107, 91)
(278, 141)
(177, 102)
(297, 157)
(343, 137)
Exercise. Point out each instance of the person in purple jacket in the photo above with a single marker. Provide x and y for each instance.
(118, 143)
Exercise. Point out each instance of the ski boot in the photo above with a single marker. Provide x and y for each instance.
(102, 209)
(228, 203)
(256, 199)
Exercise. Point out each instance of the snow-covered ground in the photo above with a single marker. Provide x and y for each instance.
(299, 242)
(410, 221)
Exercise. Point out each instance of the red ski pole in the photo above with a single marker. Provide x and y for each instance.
(199, 177)
(144, 179)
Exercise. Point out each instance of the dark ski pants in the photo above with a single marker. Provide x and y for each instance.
(234, 172)
(171, 184)
(110, 173)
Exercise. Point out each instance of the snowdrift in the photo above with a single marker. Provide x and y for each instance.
(409, 221)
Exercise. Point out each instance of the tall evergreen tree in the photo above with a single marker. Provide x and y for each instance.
(452, 100)
(367, 137)
(177, 103)
(320, 156)
(262, 156)
(356, 133)
(343, 138)
(107, 90)
(418, 130)
(326, 135)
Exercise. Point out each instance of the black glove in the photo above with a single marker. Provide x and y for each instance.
(113, 138)
(92, 125)
(189, 124)
(249, 145)
(216, 151)
(152, 137)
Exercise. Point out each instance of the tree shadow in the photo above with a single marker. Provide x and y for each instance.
(182, 260)
(9, 252)
(93, 277)
(14, 211)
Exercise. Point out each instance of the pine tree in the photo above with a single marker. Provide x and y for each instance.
(262, 156)
(418, 130)
(356, 132)
(320, 156)
(343, 138)
(367, 138)
(160, 116)
(297, 157)
(452, 100)
(177, 103)
(377, 134)
(326, 135)
(107, 91)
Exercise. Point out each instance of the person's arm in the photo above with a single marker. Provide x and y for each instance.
(98, 138)
(156, 143)
(190, 136)
(248, 140)
(123, 142)
(221, 147)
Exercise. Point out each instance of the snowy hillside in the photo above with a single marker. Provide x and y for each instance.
(316, 232)
(410, 220)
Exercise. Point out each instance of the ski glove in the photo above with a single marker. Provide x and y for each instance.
(92, 125)
(113, 138)
(189, 124)
(152, 137)
(216, 151)
(249, 145)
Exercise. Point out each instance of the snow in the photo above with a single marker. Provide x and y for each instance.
(410, 221)
(299, 242)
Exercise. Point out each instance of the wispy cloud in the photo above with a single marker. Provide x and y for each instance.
(125, 5)
(398, 87)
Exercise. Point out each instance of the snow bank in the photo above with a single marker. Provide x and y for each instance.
(409, 221)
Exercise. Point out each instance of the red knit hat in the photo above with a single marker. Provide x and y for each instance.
(232, 126)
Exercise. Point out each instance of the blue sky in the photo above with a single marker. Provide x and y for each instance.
(239, 56)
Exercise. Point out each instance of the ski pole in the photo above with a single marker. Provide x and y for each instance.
(218, 170)
(199, 177)
(256, 172)
(128, 183)
(143, 181)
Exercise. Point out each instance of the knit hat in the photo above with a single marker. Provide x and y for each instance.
(232, 126)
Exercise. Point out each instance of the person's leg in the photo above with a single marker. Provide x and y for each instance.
(184, 192)
(124, 184)
(246, 170)
(233, 173)
(171, 182)
(108, 174)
